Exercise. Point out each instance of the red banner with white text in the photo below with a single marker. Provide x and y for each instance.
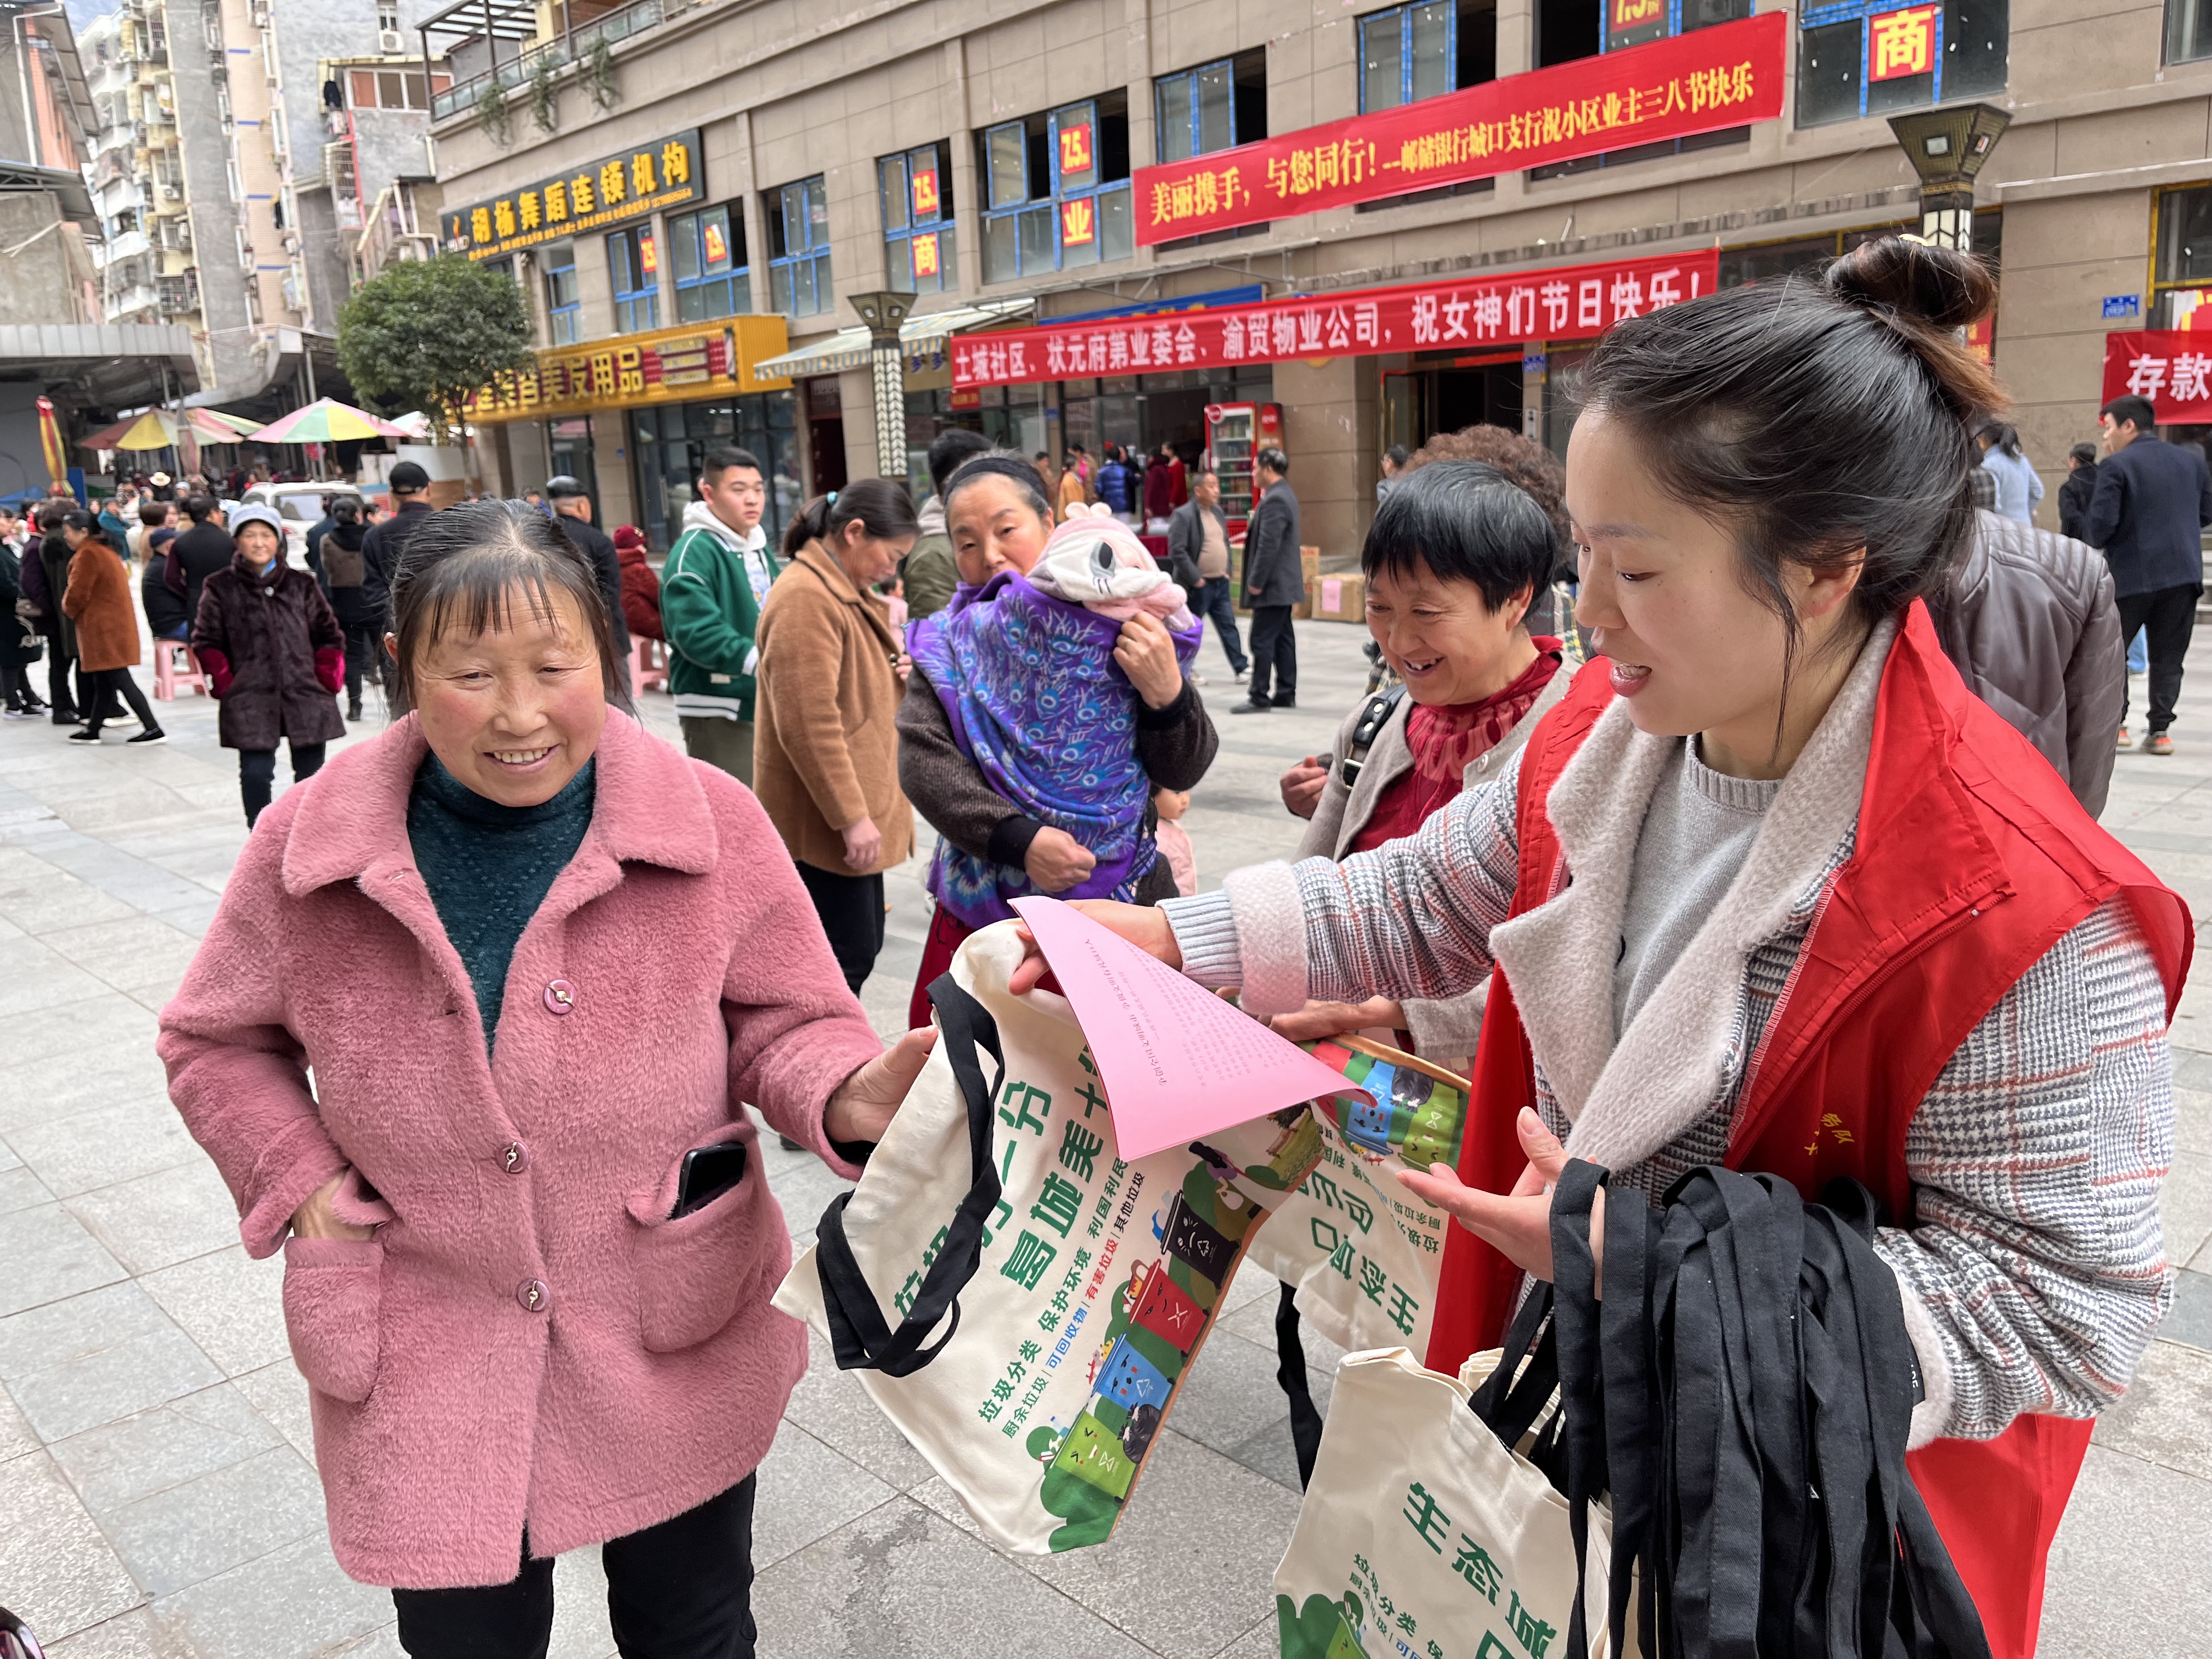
(1573, 303)
(1727, 76)
(2172, 368)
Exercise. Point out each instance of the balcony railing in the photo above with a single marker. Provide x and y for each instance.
(571, 47)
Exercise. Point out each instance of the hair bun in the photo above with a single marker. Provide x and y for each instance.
(1914, 282)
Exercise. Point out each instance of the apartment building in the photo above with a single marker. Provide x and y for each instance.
(148, 270)
(1016, 164)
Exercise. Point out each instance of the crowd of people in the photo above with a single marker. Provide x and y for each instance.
(1839, 907)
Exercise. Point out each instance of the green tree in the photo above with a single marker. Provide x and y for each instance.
(429, 334)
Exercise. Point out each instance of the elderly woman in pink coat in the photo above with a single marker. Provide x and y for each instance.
(469, 1040)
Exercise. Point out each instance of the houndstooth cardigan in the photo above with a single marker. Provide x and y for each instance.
(2035, 1273)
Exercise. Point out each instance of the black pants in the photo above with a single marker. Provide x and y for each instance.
(102, 687)
(680, 1590)
(1214, 599)
(59, 663)
(15, 684)
(364, 653)
(257, 774)
(1274, 654)
(852, 912)
(2168, 618)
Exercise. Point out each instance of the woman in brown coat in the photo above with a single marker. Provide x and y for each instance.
(825, 759)
(98, 600)
(275, 656)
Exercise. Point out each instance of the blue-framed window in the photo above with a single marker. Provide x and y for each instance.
(564, 306)
(1217, 106)
(634, 271)
(916, 188)
(1056, 190)
(707, 257)
(1419, 51)
(1859, 58)
(798, 282)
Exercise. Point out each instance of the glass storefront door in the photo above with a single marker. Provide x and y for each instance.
(668, 445)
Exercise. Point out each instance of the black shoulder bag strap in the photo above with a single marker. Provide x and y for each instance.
(1574, 1320)
(1372, 719)
(858, 1332)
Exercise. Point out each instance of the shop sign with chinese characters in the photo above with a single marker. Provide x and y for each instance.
(631, 371)
(1901, 43)
(1727, 76)
(665, 173)
(1574, 303)
(2172, 368)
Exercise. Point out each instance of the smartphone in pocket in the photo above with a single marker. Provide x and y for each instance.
(707, 1173)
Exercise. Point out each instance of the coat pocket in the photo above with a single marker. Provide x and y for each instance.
(333, 1292)
(695, 1271)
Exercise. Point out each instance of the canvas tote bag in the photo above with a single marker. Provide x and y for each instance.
(1360, 1250)
(1423, 1534)
(1023, 1303)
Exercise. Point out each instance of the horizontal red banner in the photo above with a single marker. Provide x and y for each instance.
(2171, 367)
(1574, 302)
(1724, 76)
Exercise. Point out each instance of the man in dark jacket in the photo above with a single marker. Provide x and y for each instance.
(203, 548)
(2029, 620)
(380, 548)
(572, 510)
(1198, 534)
(2074, 493)
(2151, 502)
(165, 605)
(1274, 581)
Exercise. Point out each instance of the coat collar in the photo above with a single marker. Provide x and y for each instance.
(817, 558)
(1629, 1096)
(649, 808)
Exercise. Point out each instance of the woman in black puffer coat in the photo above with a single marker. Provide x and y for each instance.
(274, 655)
(344, 578)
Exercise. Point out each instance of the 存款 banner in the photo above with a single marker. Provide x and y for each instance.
(1727, 76)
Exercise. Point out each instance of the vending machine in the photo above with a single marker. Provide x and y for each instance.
(1234, 433)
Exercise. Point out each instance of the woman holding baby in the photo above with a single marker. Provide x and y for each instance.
(1047, 703)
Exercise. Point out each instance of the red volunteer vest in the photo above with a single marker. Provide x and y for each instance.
(1971, 861)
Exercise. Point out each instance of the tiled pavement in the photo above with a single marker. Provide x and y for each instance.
(157, 1495)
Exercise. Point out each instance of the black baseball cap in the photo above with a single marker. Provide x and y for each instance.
(409, 477)
(560, 489)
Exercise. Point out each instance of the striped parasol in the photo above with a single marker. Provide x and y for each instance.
(325, 421)
(158, 428)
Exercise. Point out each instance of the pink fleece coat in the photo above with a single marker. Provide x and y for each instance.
(526, 1339)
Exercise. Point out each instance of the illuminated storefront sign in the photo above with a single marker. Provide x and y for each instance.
(1727, 76)
(1901, 43)
(1574, 303)
(665, 173)
(636, 371)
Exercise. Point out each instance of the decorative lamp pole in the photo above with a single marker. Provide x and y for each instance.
(883, 312)
(1947, 148)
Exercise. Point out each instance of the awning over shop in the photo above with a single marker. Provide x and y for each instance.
(919, 336)
(728, 357)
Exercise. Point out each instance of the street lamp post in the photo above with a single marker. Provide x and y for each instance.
(883, 312)
(1947, 148)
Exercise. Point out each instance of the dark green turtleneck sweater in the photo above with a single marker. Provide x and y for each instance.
(489, 867)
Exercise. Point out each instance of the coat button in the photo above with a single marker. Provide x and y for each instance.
(515, 1158)
(560, 997)
(533, 1296)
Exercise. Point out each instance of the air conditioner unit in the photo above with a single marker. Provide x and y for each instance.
(173, 192)
(260, 13)
(391, 40)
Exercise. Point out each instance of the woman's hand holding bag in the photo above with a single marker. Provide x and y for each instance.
(864, 1105)
(1519, 1224)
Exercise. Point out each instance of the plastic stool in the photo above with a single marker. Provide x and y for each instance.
(168, 674)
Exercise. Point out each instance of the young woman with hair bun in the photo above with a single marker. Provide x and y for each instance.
(1771, 888)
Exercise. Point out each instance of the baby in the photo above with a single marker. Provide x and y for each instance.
(1095, 561)
(1170, 805)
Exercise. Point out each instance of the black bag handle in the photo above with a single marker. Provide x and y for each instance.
(1575, 1323)
(858, 1332)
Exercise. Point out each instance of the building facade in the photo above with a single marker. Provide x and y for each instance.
(993, 161)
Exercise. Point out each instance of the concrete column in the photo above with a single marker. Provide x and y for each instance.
(1517, 36)
(664, 278)
(856, 391)
(616, 501)
(1330, 423)
(968, 183)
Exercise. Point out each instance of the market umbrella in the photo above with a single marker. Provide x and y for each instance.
(154, 429)
(50, 440)
(218, 428)
(325, 421)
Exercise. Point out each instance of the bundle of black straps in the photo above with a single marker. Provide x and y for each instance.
(1743, 1392)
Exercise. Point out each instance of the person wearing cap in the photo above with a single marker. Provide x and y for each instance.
(387, 538)
(572, 512)
(640, 586)
(275, 658)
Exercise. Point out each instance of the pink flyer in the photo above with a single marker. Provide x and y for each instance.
(1178, 1062)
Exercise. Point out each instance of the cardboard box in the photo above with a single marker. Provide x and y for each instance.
(1341, 597)
(1310, 565)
